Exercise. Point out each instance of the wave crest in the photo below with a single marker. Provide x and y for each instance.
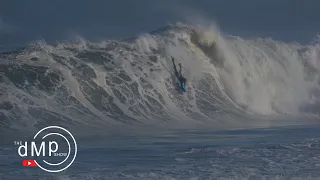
(131, 81)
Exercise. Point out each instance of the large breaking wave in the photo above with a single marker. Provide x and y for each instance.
(231, 80)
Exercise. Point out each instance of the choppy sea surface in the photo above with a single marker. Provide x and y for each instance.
(277, 153)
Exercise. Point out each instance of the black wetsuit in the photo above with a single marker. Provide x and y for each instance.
(179, 74)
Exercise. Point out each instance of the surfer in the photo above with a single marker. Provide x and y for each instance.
(181, 80)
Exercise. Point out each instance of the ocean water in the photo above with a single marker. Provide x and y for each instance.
(126, 89)
(251, 110)
(271, 153)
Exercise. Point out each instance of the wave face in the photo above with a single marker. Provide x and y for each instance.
(132, 82)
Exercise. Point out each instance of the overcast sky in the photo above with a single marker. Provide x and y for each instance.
(22, 21)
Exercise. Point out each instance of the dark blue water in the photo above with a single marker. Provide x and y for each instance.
(280, 153)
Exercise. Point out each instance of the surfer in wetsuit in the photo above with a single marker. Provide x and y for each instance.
(182, 80)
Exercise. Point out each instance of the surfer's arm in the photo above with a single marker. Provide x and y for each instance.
(175, 68)
(180, 70)
(174, 64)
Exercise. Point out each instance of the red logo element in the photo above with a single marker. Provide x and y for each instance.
(29, 163)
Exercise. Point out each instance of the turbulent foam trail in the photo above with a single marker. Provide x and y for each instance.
(230, 79)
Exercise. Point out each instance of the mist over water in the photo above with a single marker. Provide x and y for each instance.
(24, 22)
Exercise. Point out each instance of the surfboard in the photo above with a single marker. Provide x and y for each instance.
(184, 89)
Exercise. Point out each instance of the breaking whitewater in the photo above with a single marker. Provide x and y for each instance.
(233, 82)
